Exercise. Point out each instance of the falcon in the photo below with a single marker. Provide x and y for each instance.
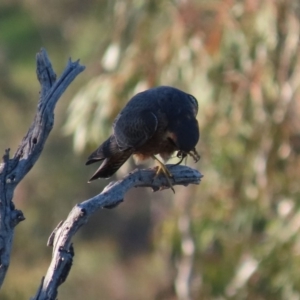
(161, 120)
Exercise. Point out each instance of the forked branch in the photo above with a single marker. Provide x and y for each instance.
(113, 194)
(13, 170)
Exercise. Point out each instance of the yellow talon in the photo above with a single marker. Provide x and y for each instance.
(163, 169)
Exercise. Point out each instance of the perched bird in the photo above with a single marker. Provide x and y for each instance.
(160, 120)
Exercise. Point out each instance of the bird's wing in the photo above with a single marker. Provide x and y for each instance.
(132, 129)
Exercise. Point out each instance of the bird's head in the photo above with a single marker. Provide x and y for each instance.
(194, 103)
(185, 134)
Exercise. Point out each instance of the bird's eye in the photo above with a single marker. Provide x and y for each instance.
(194, 102)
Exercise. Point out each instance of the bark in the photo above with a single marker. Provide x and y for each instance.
(13, 170)
(112, 195)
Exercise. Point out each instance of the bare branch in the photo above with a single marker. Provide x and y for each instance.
(12, 171)
(33, 143)
(111, 196)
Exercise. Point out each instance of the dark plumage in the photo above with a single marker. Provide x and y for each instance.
(160, 120)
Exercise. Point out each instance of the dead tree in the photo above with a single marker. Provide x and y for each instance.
(13, 170)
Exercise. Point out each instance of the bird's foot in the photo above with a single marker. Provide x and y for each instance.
(161, 168)
(168, 175)
(182, 155)
(195, 155)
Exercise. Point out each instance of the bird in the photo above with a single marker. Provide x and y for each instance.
(160, 120)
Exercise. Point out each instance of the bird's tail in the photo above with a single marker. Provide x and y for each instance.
(113, 158)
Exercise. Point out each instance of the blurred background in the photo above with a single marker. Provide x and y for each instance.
(235, 236)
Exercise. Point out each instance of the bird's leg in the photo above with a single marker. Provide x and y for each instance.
(163, 169)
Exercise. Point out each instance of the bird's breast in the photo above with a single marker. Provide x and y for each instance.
(160, 144)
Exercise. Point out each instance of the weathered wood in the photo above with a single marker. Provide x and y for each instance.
(13, 170)
(113, 194)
